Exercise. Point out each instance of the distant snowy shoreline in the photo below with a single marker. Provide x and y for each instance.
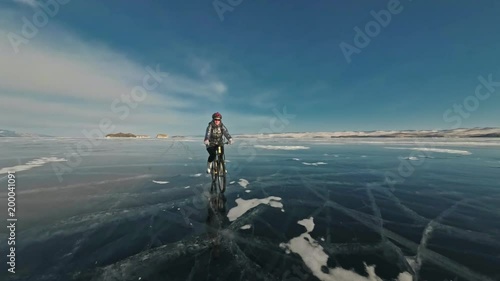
(455, 133)
(395, 134)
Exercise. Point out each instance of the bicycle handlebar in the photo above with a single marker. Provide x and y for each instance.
(224, 142)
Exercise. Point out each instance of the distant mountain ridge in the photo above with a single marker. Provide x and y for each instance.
(8, 133)
(452, 133)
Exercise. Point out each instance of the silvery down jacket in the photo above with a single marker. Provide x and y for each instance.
(214, 133)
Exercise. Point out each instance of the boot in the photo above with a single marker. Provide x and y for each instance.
(209, 166)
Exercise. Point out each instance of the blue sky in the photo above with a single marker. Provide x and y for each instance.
(262, 57)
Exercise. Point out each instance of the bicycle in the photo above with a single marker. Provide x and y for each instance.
(218, 171)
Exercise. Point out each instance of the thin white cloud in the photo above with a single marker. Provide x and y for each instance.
(185, 85)
(22, 106)
(57, 63)
(38, 69)
(58, 80)
(18, 110)
(49, 116)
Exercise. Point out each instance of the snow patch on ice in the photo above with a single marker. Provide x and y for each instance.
(439, 150)
(412, 158)
(244, 206)
(160, 182)
(282, 147)
(32, 164)
(246, 226)
(307, 223)
(314, 164)
(315, 258)
(243, 183)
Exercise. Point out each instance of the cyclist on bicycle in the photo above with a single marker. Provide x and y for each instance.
(213, 138)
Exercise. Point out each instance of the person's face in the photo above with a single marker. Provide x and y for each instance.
(217, 121)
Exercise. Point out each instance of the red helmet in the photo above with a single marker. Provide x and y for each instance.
(217, 116)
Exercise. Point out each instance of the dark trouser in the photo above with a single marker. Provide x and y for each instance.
(212, 151)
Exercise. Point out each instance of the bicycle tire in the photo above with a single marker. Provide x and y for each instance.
(217, 176)
(213, 174)
(218, 173)
(222, 177)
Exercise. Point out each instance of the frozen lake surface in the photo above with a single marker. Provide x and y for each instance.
(296, 209)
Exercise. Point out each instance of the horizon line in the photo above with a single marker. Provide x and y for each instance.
(276, 133)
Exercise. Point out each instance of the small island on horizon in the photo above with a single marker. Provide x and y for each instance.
(130, 135)
(121, 135)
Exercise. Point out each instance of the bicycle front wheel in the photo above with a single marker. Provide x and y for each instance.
(221, 179)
